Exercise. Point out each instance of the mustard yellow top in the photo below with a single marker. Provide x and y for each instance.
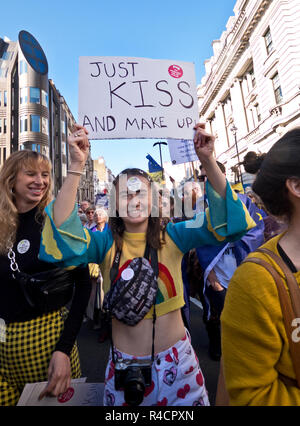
(254, 342)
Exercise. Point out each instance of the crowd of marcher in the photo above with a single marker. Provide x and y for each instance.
(132, 268)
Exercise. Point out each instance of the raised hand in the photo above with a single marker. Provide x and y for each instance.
(203, 143)
(78, 145)
(204, 148)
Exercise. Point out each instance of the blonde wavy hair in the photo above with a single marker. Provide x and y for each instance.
(8, 212)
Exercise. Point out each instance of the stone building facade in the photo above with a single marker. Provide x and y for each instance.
(250, 94)
(33, 113)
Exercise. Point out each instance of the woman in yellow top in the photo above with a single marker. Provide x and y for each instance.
(255, 346)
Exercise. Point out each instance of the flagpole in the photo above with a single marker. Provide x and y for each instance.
(194, 172)
(161, 162)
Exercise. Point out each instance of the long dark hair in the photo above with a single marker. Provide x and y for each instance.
(280, 163)
(116, 223)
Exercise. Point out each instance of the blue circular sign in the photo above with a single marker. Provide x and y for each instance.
(33, 52)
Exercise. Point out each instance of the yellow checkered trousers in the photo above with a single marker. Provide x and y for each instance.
(25, 352)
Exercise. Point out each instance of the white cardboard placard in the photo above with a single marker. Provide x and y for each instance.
(182, 151)
(78, 394)
(121, 97)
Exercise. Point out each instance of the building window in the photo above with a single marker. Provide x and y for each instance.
(62, 126)
(257, 113)
(268, 41)
(44, 98)
(0, 99)
(5, 126)
(23, 123)
(23, 67)
(277, 88)
(5, 98)
(36, 147)
(35, 95)
(6, 56)
(3, 72)
(4, 154)
(0, 125)
(248, 80)
(24, 95)
(45, 126)
(35, 121)
(45, 150)
(252, 77)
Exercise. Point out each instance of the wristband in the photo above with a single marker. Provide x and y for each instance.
(74, 172)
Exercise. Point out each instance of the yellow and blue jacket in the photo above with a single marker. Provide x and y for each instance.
(71, 245)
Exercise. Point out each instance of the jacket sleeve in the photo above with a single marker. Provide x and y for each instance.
(255, 236)
(71, 245)
(226, 220)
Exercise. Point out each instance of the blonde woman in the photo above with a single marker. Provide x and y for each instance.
(36, 344)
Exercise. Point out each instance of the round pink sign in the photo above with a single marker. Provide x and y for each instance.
(65, 397)
(175, 71)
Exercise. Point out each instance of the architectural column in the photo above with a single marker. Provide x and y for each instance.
(223, 142)
(238, 107)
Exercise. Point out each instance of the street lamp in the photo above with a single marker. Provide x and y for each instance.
(234, 132)
(161, 162)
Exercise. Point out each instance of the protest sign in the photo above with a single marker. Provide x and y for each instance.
(137, 98)
(78, 394)
(182, 151)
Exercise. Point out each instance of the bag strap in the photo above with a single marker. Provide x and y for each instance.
(291, 280)
(150, 253)
(287, 311)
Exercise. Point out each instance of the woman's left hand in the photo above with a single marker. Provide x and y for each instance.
(203, 143)
(59, 375)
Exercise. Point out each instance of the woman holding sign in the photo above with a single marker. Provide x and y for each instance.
(152, 361)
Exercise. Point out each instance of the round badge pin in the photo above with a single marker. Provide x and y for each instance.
(23, 246)
(134, 184)
(127, 274)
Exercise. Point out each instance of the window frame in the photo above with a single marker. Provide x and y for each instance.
(269, 44)
(278, 99)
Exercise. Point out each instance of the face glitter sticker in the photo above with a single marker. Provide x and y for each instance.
(134, 184)
(23, 246)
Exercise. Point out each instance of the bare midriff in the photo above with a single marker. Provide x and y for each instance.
(137, 340)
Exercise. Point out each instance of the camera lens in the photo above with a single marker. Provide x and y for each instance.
(134, 386)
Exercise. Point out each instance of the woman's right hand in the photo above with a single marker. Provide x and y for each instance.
(78, 146)
(66, 198)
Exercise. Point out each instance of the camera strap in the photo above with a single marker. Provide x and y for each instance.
(150, 254)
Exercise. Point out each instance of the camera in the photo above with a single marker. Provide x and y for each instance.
(133, 376)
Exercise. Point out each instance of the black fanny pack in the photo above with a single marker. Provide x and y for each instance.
(47, 290)
(132, 295)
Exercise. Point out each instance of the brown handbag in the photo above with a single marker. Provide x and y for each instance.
(290, 306)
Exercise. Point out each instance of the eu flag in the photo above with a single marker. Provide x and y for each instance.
(153, 165)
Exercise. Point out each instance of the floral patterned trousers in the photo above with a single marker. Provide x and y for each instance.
(176, 378)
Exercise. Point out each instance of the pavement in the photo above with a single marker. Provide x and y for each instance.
(94, 355)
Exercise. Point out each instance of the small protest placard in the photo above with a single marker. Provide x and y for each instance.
(122, 97)
(182, 151)
(78, 394)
